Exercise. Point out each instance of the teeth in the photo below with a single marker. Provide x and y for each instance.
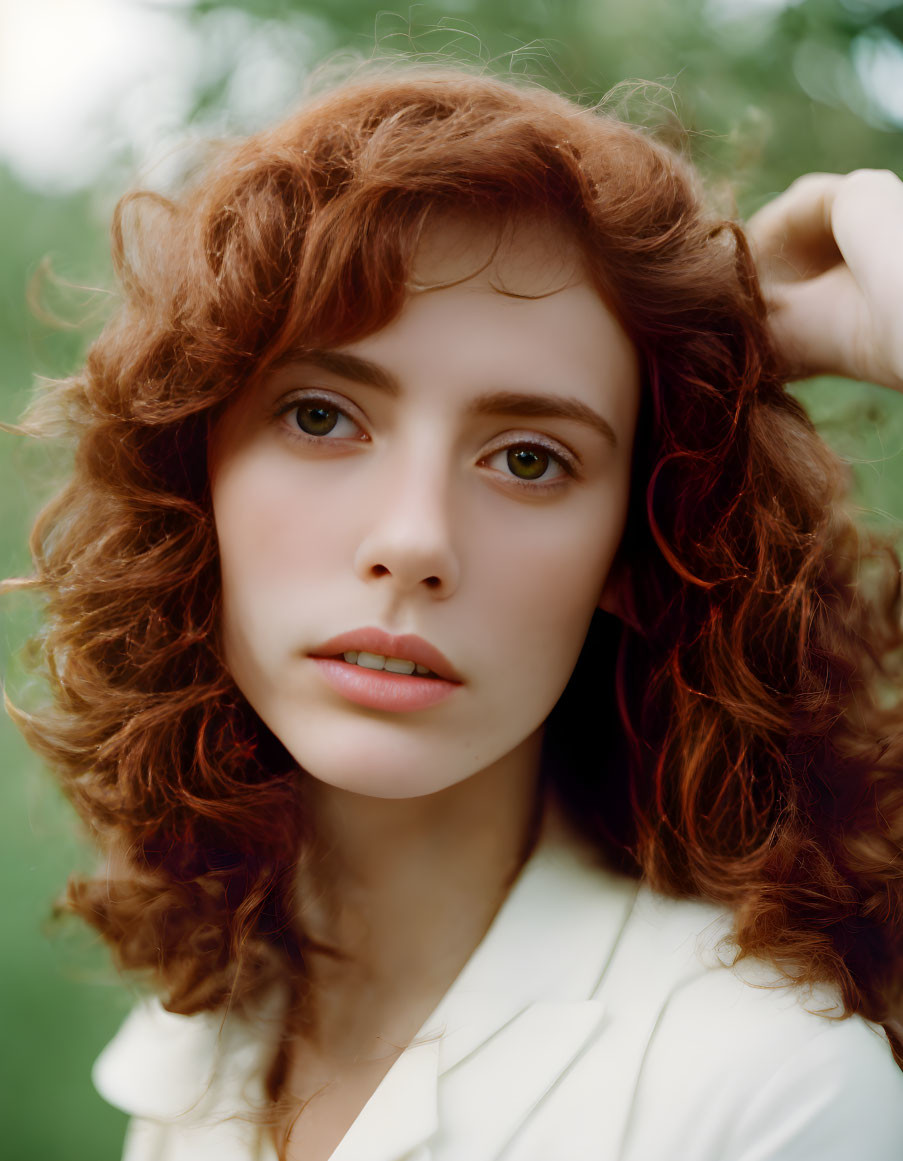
(399, 665)
(371, 660)
(378, 661)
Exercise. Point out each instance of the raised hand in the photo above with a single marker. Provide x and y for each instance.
(830, 257)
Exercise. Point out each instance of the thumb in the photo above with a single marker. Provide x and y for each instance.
(815, 324)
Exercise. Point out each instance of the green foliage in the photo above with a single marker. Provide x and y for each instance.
(766, 94)
(55, 1017)
(767, 90)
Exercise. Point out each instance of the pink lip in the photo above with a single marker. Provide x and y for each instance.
(372, 640)
(377, 689)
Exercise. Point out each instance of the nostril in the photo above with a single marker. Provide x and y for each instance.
(380, 569)
(432, 581)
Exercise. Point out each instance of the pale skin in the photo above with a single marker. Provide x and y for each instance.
(830, 257)
(420, 525)
(422, 818)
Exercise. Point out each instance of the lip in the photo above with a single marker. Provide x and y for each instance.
(408, 646)
(379, 690)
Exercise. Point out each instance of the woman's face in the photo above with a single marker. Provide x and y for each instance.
(418, 482)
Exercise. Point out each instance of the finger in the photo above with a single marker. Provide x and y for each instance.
(867, 222)
(791, 236)
(811, 323)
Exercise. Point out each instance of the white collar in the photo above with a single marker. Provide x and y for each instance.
(537, 968)
(533, 976)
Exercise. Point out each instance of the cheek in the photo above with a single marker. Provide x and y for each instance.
(277, 546)
(546, 579)
(270, 526)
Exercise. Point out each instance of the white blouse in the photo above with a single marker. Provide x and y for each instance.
(595, 1021)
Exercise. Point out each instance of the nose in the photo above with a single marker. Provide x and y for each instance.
(409, 544)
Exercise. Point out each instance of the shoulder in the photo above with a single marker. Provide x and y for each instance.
(158, 1064)
(166, 1067)
(643, 1040)
(737, 1055)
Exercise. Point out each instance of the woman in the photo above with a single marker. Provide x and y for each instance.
(490, 715)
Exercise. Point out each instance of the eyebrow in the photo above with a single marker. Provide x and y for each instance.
(536, 406)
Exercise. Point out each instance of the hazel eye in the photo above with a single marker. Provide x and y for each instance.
(314, 419)
(532, 462)
(527, 463)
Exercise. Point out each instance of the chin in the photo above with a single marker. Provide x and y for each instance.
(370, 785)
(376, 773)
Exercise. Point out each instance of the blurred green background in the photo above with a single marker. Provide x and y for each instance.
(97, 95)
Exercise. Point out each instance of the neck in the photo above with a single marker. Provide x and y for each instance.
(408, 887)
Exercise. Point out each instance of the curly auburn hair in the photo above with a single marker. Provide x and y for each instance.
(756, 672)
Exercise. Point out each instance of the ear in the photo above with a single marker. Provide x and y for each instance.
(617, 583)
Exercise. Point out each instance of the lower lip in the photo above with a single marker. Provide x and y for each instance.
(377, 689)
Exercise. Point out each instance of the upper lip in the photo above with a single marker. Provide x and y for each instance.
(372, 640)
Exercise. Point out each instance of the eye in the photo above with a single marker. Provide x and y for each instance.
(529, 464)
(314, 418)
(533, 465)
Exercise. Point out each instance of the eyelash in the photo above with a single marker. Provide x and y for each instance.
(569, 466)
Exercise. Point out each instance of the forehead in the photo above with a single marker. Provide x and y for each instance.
(503, 302)
(494, 307)
(521, 255)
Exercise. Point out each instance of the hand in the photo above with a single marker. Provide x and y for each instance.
(830, 257)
